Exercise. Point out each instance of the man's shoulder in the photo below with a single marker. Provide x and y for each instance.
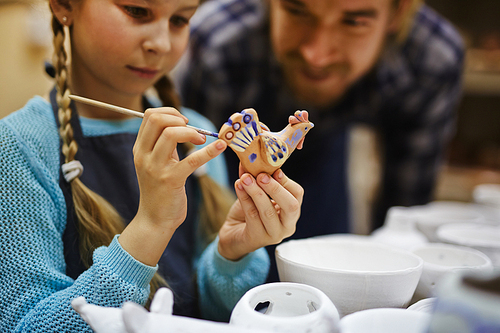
(434, 42)
(217, 23)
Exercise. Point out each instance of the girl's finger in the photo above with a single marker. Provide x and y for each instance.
(168, 140)
(265, 210)
(153, 124)
(164, 110)
(288, 202)
(193, 161)
(250, 211)
(294, 188)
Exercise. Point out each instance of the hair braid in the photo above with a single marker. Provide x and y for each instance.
(98, 221)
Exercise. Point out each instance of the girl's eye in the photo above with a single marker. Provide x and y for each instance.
(136, 12)
(294, 11)
(179, 21)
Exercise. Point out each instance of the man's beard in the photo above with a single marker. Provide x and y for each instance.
(293, 64)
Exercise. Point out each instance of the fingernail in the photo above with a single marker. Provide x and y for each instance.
(247, 180)
(219, 145)
(239, 186)
(279, 174)
(265, 179)
(202, 136)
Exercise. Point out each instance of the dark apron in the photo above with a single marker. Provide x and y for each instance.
(109, 171)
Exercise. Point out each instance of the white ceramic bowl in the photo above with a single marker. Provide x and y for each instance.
(399, 229)
(487, 194)
(344, 236)
(291, 307)
(424, 305)
(355, 274)
(442, 259)
(435, 214)
(485, 238)
(385, 321)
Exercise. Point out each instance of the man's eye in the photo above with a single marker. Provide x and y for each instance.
(353, 22)
(179, 21)
(136, 12)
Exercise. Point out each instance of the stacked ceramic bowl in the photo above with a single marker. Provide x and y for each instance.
(484, 238)
(355, 274)
(487, 194)
(385, 320)
(441, 260)
(439, 213)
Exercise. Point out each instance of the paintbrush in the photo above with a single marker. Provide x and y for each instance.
(130, 112)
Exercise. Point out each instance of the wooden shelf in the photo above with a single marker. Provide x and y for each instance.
(482, 83)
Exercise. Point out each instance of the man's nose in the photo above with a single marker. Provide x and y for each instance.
(321, 46)
(158, 38)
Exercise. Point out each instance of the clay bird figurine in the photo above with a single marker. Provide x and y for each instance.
(259, 149)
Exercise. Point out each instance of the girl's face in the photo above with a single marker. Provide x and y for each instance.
(125, 46)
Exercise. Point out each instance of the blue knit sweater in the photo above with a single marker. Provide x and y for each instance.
(36, 292)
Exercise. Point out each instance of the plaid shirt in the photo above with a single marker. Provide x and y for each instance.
(409, 98)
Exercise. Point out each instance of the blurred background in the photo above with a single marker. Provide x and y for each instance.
(473, 158)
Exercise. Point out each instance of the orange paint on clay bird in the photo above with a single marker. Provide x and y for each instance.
(259, 149)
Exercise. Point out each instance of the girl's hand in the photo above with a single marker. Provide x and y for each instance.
(162, 176)
(265, 213)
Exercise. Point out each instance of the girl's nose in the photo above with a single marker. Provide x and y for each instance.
(158, 39)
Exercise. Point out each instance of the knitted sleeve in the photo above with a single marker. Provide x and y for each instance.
(222, 282)
(36, 292)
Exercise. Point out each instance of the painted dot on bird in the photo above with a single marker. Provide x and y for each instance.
(229, 135)
(252, 157)
(236, 126)
(247, 118)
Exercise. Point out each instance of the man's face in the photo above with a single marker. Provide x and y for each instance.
(324, 46)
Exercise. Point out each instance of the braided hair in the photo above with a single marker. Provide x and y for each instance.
(98, 221)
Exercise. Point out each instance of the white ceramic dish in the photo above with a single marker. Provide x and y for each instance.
(485, 238)
(355, 274)
(442, 259)
(290, 307)
(385, 321)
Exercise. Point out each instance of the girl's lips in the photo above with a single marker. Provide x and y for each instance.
(146, 73)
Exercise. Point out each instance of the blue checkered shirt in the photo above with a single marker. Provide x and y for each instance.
(409, 98)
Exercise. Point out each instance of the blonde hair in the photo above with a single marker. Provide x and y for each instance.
(98, 221)
(407, 19)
